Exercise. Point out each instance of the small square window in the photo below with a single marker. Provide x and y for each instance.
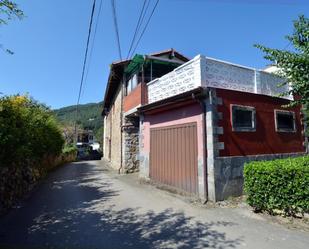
(285, 121)
(243, 118)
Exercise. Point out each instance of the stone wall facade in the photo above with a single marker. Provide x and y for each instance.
(112, 133)
(121, 137)
(106, 137)
(131, 145)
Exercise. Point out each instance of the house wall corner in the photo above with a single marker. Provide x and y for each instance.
(143, 154)
(212, 141)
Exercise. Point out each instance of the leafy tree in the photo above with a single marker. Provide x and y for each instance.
(294, 65)
(8, 11)
(28, 131)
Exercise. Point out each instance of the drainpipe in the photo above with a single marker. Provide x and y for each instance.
(121, 123)
(199, 98)
(103, 136)
(110, 137)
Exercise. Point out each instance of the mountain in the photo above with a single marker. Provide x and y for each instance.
(89, 117)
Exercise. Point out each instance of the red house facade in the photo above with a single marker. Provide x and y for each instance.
(200, 122)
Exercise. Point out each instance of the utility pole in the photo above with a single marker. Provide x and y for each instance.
(75, 125)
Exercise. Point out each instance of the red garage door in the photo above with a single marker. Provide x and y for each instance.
(173, 156)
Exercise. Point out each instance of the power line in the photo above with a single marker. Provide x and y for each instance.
(116, 28)
(84, 65)
(138, 25)
(144, 14)
(86, 52)
(92, 44)
(153, 10)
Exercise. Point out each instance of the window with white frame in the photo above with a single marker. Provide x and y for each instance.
(243, 118)
(132, 83)
(285, 121)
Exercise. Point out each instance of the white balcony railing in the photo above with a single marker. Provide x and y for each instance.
(208, 72)
(225, 75)
(182, 79)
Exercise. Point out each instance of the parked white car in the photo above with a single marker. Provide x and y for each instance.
(95, 145)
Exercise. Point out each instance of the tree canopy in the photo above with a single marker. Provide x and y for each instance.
(294, 63)
(8, 11)
(28, 131)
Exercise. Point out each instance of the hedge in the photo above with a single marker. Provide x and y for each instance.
(68, 149)
(278, 185)
(28, 131)
(31, 144)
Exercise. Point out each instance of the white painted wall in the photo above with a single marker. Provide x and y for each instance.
(209, 72)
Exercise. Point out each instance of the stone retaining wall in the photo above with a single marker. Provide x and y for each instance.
(17, 181)
(228, 173)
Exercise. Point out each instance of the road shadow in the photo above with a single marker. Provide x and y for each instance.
(74, 210)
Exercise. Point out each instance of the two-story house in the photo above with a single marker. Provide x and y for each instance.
(125, 93)
(193, 124)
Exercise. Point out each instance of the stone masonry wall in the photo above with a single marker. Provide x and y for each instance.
(16, 182)
(112, 133)
(229, 173)
(131, 146)
(106, 136)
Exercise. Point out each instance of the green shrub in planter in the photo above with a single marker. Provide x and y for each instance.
(278, 185)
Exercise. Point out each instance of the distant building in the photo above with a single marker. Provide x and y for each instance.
(85, 136)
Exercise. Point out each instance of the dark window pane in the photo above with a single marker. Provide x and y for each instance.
(285, 121)
(242, 118)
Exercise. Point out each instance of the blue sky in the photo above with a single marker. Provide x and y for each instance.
(49, 43)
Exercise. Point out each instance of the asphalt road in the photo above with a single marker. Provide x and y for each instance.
(83, 205)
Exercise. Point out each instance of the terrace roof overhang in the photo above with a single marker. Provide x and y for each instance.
(139, 60)
(175, 101)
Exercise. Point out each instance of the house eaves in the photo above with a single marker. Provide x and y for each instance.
(171, 102)
(114, 79)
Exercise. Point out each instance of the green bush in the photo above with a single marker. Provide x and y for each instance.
(278, 185)
(28, 131)
(69, 149)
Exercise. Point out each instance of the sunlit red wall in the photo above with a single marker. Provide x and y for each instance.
(137, 97)
(265, 140)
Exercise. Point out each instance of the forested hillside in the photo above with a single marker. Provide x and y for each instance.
(89, 117)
